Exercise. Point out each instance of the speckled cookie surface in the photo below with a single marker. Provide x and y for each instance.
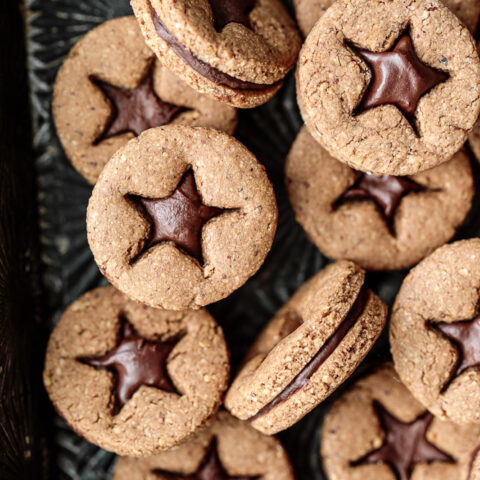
(237, 52)
(309, 11)
(226, 444)
(361, 112)
(433, 332)
(308, 349)
(134, 404)
(387, 225)
(205, 243)
(110, 89)
(378, 431)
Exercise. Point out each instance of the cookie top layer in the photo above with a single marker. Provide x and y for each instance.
(294, 364)
(169, 195)
(236, 52)
(133, 379)
(433, 332)
(110, 89)
(382, 223)
(226, 444)
(349, 91)
(309, 11)
(378, 430)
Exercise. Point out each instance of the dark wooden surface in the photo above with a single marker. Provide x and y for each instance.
(23, 422)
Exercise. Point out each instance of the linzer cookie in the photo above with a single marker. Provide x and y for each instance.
(312, 345)
(377, 430)
(133, 379)
(381, 223)
(435, 332)
(110, 89)
(181, 217)
(389, 88)
(227, 450)
(237, 52)
(309, 11)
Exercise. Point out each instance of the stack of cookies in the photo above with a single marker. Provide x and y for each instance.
(182, 215)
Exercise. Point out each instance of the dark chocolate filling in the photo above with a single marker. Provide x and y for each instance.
(201, 67)
(302, 379)
(178, 218)
(465, 335)
(405, 444)
(386, 191)
(135, 361)
(399, 78)
(211, 468)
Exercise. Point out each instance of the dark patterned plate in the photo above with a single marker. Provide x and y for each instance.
(69, 270)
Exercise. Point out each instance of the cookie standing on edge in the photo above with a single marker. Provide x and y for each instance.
(308, 12)
(181, 217)
(132, 379)
(110, 89)
(378, 431)
(236, 52)
(312, 345)
(435, 332)
(227, 449)
(381, 223)
(391, 97)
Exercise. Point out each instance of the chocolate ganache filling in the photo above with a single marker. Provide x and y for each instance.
(302, 379)
(201, 67)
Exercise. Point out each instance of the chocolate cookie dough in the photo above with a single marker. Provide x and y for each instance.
(110, 90)
(435, 332)
(227, 450)
(378, 431)
(132, 379)
(389, 88)
(312, 345)
(237, 52)
(181, 217)
(309, 11)
(381, 223)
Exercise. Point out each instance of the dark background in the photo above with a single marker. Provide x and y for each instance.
(45, 262)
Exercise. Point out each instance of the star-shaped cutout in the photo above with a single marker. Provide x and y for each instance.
(136, 110)
(399, 78)
(135, 361)
(228, 11)
(179, 218)
(465, 335)
(405, 444)
(386, 191)
(210, 469)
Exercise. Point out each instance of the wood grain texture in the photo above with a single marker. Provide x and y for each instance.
(22, 440)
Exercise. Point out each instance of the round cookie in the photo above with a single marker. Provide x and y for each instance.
(393, 97)
(311, 346)
(309, 11)
(228, 448)
(381, 223)
(181, 217)
(434, 332)
(110, 89)
(132, 379)
(378, 431)
(237, 52)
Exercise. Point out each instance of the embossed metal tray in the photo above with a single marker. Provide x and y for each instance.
(53, 27)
